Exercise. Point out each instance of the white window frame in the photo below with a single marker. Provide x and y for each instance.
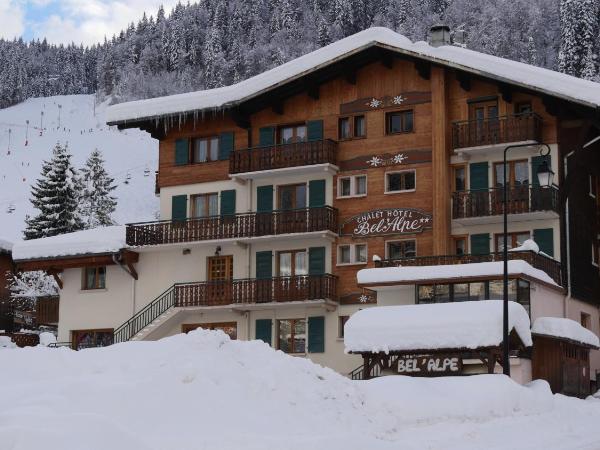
(385, 180)
(387, 255)
(353, 261)
(353, 185)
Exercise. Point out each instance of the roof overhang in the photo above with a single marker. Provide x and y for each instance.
(60, 263)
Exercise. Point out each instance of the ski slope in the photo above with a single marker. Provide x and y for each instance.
(83, 128)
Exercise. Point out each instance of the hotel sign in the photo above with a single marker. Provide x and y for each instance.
(387, 221)
(430, 365)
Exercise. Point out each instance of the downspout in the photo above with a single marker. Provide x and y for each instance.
(568, 242)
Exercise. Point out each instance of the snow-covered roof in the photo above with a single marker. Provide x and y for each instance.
(416, 274)
(94, 241)
(5, 245)
(531, 77)
(461, 325)
(564, 328)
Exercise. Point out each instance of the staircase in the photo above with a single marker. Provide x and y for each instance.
(357, 374)
(145, 320)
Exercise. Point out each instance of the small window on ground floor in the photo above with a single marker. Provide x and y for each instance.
(292, 335)
(341, 323)
(81, 339)
(586, 320)
(94, 278)
(229, 328)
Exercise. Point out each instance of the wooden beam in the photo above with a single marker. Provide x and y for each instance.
(240, 118)
(54, 273)
(423, 68)
(277, 107)
(506, 92)
(386, 58)
(551, 105)
(464, 79)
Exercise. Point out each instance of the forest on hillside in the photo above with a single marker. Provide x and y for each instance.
(213, 43)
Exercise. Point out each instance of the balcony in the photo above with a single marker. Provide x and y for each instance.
(486, 206)
(253, 291)
(479, 135)
(303, 156)
(541, 262)
(235, 227)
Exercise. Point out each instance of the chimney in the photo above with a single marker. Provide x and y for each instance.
(439, 35)
(460, 38)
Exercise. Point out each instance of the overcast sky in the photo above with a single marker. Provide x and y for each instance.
(66, 21)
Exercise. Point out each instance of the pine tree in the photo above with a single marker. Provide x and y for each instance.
(97, 205)
(578, 30)
(55, 195)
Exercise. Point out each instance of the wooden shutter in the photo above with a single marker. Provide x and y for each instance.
(264, 265)
(480, 244)
(316, 193)
(544, 238)
(316, 260)
(182, 152)
(536, 161)
(226, 144)
(228, 202)
(264, 330)
(179, 207)
(316, 334)
(266, 136)
(478, 176)
(314, 130)
(264, 198)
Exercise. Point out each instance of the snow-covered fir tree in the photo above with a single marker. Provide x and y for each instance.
(578, 32)
(97, 204)
(56, 196)
(26, 287)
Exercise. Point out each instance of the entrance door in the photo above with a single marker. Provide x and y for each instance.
(518, 186)
(484, 117)
(292, 208)
(219, 288)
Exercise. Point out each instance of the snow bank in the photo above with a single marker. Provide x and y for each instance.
(204, 391)
(528, 246)
(410, 274)
(437, 326)
(6, 342)
(5, 245)
(97, 240)
(47, 338)
(564, 328)
(536, 78)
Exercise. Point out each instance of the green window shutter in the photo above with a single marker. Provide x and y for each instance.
(316, 260)
(182, 152)
(536, 161)
(266, 136)
(544, 238)
(264, 199)
(316, 334)
(228, 203)
(314, 130)
(263, 330)
(264, 265)
(179, 207)
(226, 144)
(480, 244)
(316, 193)
(478, 175)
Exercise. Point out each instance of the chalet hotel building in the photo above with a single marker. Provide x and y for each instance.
(372, 152)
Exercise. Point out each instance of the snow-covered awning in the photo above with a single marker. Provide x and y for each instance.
(538, 79)
(101, 240)
(567, 329)
(439, 326)
(384, 277)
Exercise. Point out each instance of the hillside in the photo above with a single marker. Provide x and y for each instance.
(23, 149)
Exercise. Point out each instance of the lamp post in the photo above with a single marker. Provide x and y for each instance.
(545, 177)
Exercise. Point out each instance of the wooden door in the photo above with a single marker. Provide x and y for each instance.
(220, 275)
(517, 174)
(484, 116)
(292, 213)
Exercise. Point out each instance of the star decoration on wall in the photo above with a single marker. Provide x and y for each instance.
(398, 100)
(375, 161)
(399, 158)
(363, 298)
(375, 103)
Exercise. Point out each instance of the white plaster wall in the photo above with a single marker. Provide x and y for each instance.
(574, 309)
(545, 302)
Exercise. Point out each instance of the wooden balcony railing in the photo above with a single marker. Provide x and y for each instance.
(282, 156)
(521, 199)
(46, 310)
(251, 290)
(498, 130)
(235, 226)
(549, 265)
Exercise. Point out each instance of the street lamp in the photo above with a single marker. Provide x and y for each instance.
(545, 177)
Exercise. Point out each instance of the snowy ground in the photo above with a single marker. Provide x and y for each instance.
(203, 391)
(128, 151)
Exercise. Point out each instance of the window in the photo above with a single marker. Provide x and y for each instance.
(292, 335)
(586, 320)
(399, 122)
(352, 254)
(94, 278)
(341, 323)
(292, 196)
(292, 133)
(292, 263)
(523, 108)
(91, 338)
(460, 178)
(517, 172)
(400, 181)
(352, 127)
(593, 186)
(205, 149)
(205, 205)
(401, 249)
(514, 240)
(354, 186)
(460, 245)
